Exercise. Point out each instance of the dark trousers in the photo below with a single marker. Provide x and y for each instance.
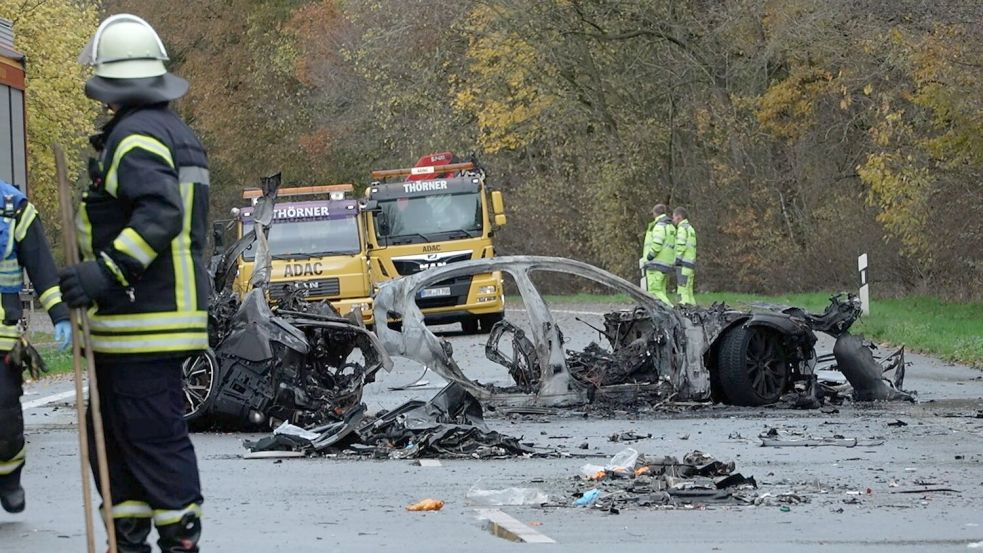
(11, 427)
(153, 471)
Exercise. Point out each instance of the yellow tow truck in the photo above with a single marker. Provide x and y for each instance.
(316, 244)
(436, 213)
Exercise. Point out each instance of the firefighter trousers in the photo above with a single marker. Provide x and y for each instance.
(12, 449)
(153, 471)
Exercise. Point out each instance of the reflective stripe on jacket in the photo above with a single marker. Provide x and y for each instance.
(662, 244)
(24, 246)
(685, 245)
(144, 219)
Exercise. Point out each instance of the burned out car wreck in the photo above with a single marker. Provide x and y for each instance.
(653, 352)
(298, 362)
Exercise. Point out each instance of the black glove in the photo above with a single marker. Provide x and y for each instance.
(23, 357)
(84, 284)
(650, 256)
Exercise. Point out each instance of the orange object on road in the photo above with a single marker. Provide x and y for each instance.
(642, 470)
(426, 505)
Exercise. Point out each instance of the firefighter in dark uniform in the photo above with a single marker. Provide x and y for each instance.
(142, 228)
(23, 247)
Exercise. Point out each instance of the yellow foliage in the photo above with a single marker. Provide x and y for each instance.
(902, 192)
(921, 130)
(500, 89)
(787, 108)
(51, 35)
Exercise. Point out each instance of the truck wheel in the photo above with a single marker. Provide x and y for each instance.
(751, 366)
(470, 325)
(201, 376)
(488, 321)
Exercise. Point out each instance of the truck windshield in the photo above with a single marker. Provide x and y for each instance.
(305, 239)
(427, 218)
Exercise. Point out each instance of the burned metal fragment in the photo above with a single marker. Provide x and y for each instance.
(856, 361)
(451, 424)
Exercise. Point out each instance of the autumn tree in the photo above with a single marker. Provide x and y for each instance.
(51, 34)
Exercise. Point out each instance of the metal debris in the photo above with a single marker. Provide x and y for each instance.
(449, 425)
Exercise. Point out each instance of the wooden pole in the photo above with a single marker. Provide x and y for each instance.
(83, 344)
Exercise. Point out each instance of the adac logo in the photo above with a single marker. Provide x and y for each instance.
(303, 269)
(430, 248)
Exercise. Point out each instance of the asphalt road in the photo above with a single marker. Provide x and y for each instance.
(326, 504)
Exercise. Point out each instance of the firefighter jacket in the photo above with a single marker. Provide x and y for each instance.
(24, 247)
(144, 220)
(685, 245)
(660, 243)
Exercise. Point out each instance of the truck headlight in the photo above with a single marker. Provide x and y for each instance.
(492, 289)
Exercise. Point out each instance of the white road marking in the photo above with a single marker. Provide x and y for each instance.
(564, 311)
(504, 526)
(429, 463)
(41, 402)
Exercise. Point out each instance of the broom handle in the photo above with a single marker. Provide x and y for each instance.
(82, 344)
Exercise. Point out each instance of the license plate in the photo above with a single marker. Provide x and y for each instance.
(435, 292)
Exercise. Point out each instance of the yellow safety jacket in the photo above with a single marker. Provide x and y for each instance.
(660, 245)
(685, 245)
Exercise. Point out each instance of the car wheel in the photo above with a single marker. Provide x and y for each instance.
(751, 366)
(200, 373)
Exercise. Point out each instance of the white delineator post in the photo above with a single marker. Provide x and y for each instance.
(864, 285)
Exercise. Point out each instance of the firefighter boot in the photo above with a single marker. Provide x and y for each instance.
(12, 499)
(131, 534)
(181, 537)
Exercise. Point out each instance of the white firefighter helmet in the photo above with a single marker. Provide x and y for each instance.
(129, 64)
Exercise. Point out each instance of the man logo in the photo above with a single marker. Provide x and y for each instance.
(425, 266)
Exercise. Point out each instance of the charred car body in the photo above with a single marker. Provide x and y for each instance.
(655, 352)
(302, 362)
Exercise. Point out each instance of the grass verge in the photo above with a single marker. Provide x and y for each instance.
(950, 331)
(58, 362)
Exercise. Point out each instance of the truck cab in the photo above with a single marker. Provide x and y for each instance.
(435, 213)
(316, 244)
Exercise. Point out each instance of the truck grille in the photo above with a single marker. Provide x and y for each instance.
(412, 264)
(460, 287)
(316, 287)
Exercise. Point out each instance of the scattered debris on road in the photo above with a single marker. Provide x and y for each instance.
(632, 479)
(451, 425)
(426, 505)
(776, 438)
(507, 496)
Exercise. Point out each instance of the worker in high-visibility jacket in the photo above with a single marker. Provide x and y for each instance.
(685, 256)
(658, 253)
(23, 247)
(142, 231)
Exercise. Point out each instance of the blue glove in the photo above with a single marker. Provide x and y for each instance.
(63, 334)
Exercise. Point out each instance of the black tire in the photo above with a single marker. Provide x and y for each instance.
(200, 373)
(751, 366)
(470, 325)
(488, 321)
